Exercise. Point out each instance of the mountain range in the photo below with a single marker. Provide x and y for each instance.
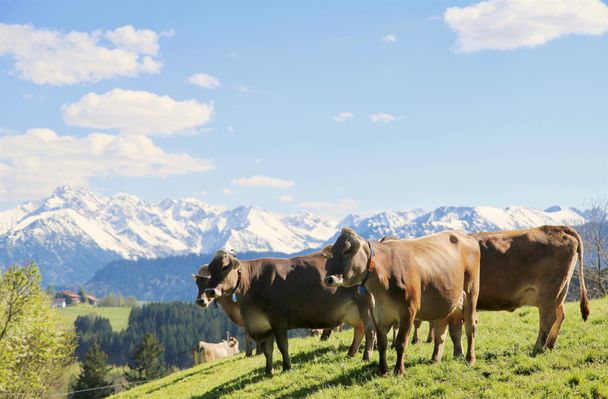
(74, 232)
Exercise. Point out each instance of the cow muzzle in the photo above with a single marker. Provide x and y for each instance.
(333, 280)
(203, 301)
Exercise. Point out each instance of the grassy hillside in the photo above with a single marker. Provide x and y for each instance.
(119, 317)
(578, 367)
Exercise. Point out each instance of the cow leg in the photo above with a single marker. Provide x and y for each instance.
(258, 348)
(560, 316)
(381, 332)
(415, 337)
(547, 317)
(370, 338)
(326, 334)
(248, 344)
(470, 323)
(405, 326)
(357, 338)
(268, 346)
(280, 335)
(439, 332)
(429, 337)
(455, 327)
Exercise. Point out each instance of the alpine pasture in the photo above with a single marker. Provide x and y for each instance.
(505, 367)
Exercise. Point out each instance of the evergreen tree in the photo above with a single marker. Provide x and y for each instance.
(95, 373)
(147, 361)
(83, 295)
(51, 291)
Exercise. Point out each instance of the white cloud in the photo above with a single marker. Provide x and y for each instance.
(168, 33)
(228, 191)
(204, 80)
(339, 206)
(241, 87)
(390, 38)
(136, 112)
(383, 117)
(286, 198)
(510, 24)
(56, 58)
(32, 164)
(262, 181)
(344, 116)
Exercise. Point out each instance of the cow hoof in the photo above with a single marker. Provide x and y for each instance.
(381, 372)
(415, 341)
(471, 360)
(398, 371)
(268, 373)
(537, 351)
(351, 354)
(458, 355)
(366, 357)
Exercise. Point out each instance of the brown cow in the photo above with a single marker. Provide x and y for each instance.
(230, 307)
(423, 278)
(276, 295)
(205, 352)
(529, 267)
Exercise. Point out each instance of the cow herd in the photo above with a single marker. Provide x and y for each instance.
(375, 286)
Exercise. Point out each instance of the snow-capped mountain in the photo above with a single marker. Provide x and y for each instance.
(418, 223)
(74, 232)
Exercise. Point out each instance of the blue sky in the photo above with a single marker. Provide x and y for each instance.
(332, 107)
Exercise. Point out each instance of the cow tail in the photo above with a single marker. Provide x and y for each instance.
(581, 274)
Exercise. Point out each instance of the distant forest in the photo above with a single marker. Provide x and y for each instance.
(176, 325)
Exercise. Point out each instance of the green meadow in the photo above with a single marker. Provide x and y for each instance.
(118, 316)
(505, 368)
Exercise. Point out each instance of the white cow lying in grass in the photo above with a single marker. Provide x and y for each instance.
(206, 352)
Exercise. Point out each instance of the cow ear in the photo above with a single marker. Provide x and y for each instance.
(326, 251)
(204, 271)
(233, 342)
(235, 263)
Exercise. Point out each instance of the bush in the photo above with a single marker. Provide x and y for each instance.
(35, 348)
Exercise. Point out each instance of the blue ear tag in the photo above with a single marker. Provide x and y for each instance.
(234, 297)
(361, 290)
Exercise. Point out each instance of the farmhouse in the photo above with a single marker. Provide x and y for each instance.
(70, 297)
(91, 299)
(58, 303)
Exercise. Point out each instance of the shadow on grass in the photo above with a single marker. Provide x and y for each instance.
(194, 373)
(236, 384)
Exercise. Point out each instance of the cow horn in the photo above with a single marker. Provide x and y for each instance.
(326, 251)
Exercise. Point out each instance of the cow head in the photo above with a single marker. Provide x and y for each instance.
(346, 260)
(202, 279)
(233, 344)
(218, 278)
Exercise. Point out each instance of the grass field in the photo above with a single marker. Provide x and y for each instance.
(119, 317)
(578, 367)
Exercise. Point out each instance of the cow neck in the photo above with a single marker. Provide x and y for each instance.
(238, 282)
(371, 264)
